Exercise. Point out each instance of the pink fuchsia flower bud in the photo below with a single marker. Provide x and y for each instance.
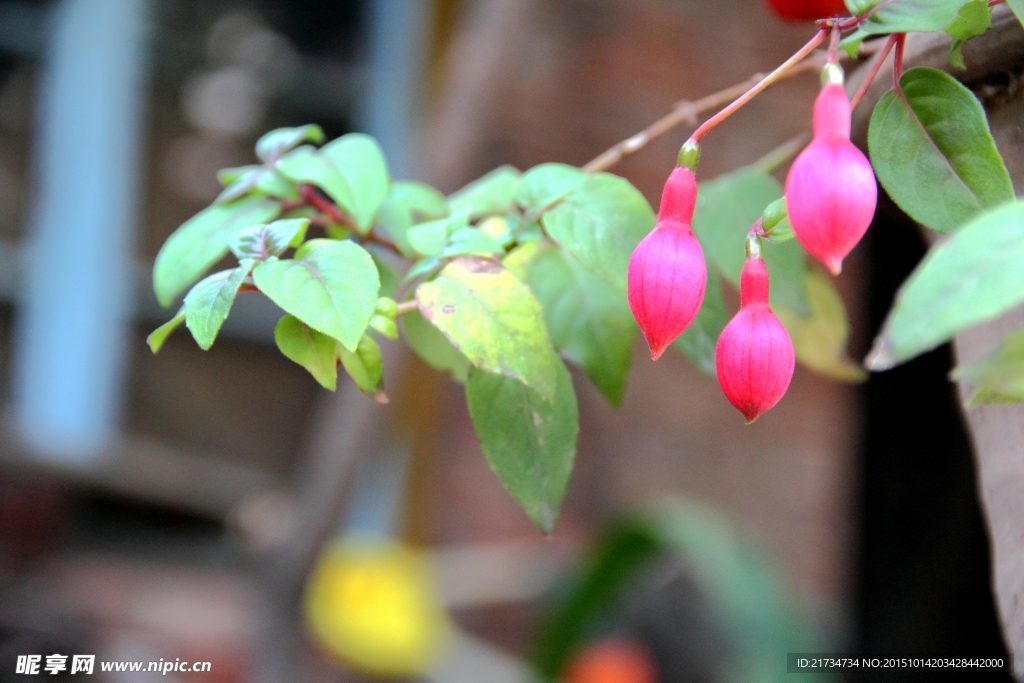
(667, 273)
(830, 191)
(755, 357)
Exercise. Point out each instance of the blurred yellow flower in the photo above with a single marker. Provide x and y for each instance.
(375, 605)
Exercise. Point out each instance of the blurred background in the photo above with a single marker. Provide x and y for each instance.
(175, 506)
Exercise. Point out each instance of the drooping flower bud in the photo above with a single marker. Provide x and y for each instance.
(830, 191)
(754, 357)
(667, 273)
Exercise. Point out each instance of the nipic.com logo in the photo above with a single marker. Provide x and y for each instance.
(85, 664)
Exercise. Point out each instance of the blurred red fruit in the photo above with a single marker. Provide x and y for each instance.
(808, 10)
(612, 661)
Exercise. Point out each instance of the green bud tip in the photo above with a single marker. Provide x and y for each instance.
(831, 74)
(689, 155)
(753, 245)
(773, 214)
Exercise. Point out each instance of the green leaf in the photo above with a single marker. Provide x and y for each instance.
(999, 376)
(519, 260)
(1018, 9)
(699, 341)
(543, 185)
(529, 440)
(972, 19)
(589, 320)
(933, 152)
(472, 241)
(158, 336)
(351, 170)
(313, 350)
(726, 209)
(202, 241)
(260, 242)
(600, 223)
(419, 199)
(366, 368)
(208, 303)
(851, 43)
(492, 318)
(906, 16)
(275, 143)
(820, 338)
(973, 277)
(429, 238)
(493, 193)
(230, 176)
(859, 7)
(333, 289)
(388, 275)
(433, 347)
(309, 245)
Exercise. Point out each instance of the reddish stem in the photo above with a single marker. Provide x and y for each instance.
(761, 85)
(897, 65)
(875, 67)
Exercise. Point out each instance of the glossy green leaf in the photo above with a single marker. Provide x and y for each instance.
(366, 368)
(430, 238)
(699, 341)
(202, 241)
(333, 289)
(973, 277)
(973, 19)
(351, 170)
(589, 320)
(820, 338)
(157, 337)
(260, 242)
(997, 377)
(528, 439)
(726, 209)
(208, 303)
(275, 143)
(543, 185)
(471, 241)
(600, 223)
(494, 193)
(313, 350)
(933, 152)
(493, 319)
(905, 16)
(433, 347)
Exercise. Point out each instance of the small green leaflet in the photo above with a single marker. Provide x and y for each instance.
(906, 16)
(699, 341)
(313, 350)
(429, 238)
(408, 202)
(260, 242)
(433, 347)
(333, 289)
(600, 223)
(820, 338)
(726, 209)
(933, 152)
(158, 336)
(529, 440)
(973, 19)
(261, 179)
(493, 319)
(973, 277)
(366, 368)
(202, 241)
(997, 377)
(351, 170)
(543, 185)
(589, 320)
(472, 241)
(494, 193)
(208, 303)
(277, 142)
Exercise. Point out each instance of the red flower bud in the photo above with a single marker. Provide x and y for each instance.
(755, 357)
(667, 273)
(808, 10)
(831, 192)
